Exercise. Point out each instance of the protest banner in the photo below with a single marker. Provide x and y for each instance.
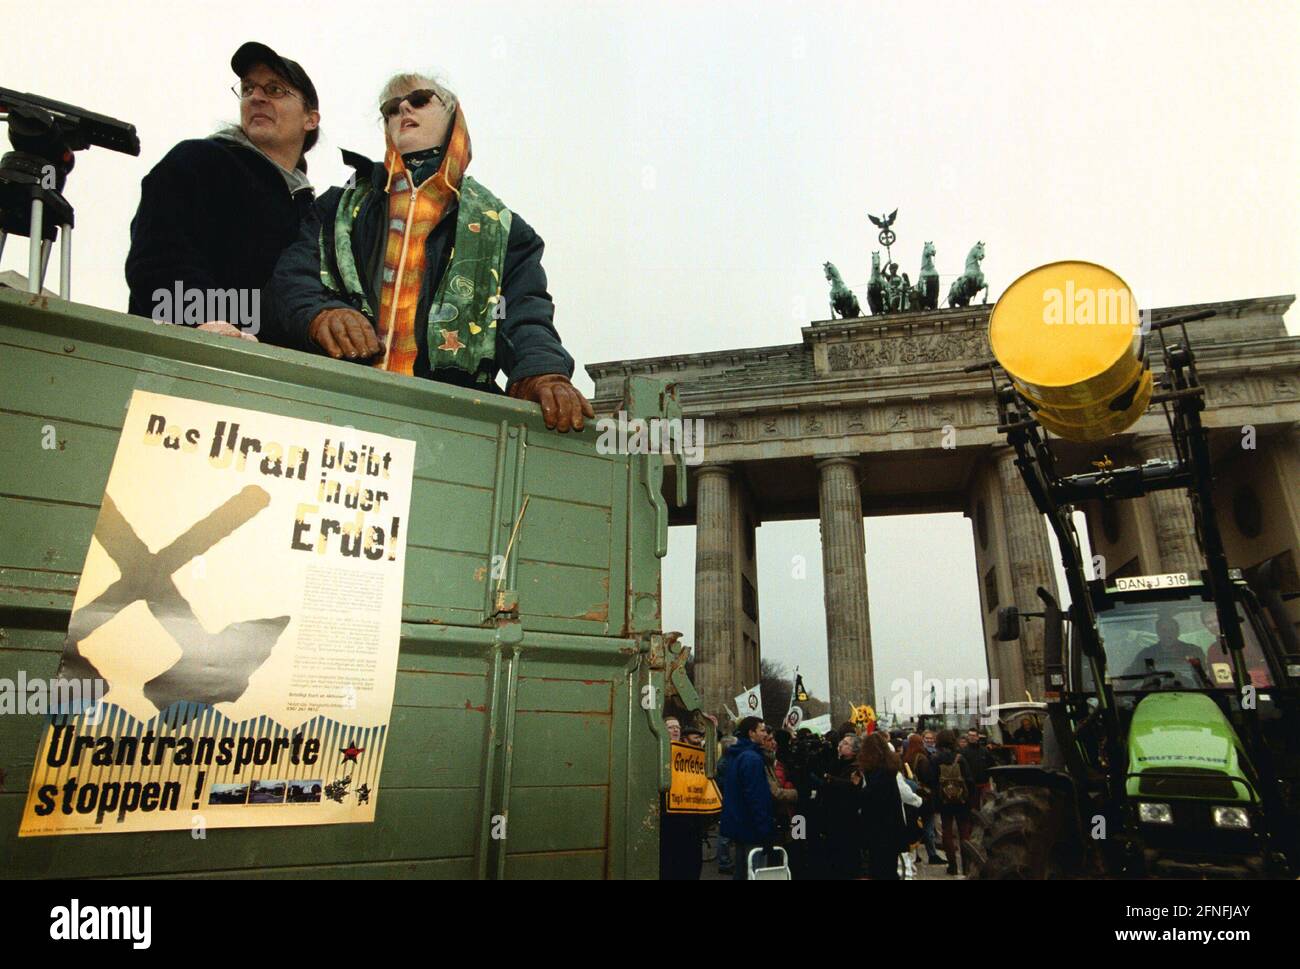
(240, 604)
(750, 703)
(692, 792)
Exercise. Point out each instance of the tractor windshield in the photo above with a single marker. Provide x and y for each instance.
(1020, 727)
(1173, 645)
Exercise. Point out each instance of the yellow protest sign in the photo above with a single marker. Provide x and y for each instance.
(238, 617)
(692, 792)
(862, 715)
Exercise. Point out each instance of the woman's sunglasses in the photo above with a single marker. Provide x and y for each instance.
(418, 99)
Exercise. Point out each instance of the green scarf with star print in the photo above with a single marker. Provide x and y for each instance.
(462, 321)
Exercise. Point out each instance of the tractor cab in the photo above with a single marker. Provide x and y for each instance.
(1161, 635)
(1195, 792)
(1016, 732)
(1167, 637)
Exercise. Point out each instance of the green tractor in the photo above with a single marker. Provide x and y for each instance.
(1171, 746)
(1172, 769)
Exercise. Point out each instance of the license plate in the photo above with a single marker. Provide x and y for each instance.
(1136, 583)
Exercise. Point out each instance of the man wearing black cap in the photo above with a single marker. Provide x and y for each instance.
(216, 212)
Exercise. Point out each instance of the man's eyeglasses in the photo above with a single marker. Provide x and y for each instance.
(418, 99)
(273, 90)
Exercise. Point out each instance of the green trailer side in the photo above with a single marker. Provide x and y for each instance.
(522, 699)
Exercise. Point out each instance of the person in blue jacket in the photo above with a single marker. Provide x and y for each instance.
(747, 817)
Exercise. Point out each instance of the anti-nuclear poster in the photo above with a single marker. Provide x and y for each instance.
(692, 791)
(239, 611)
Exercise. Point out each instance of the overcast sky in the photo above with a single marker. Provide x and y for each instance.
(691, 165)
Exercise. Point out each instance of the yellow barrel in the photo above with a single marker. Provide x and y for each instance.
(1069, 336)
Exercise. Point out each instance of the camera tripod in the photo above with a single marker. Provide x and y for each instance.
(45, 135)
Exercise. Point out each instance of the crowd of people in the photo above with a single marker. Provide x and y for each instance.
(851, 804)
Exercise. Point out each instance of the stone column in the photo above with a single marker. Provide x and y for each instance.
(1170, 513)
(1288, 455)
(1029, 560)
(715, 587)
(844, 564)
(1288, 467)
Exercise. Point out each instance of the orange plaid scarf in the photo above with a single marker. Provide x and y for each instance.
(412, 214)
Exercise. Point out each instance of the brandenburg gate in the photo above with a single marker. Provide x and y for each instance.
(876, 416)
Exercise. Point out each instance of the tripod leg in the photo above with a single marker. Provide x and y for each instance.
(65, 262)
(34, 247)
(46, 248)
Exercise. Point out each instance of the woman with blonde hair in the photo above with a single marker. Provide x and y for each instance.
(417, 268)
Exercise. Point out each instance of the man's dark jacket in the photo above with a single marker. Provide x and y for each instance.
(213, 215)
(746, 799)
(842, 802)
(980, 760)
(526, 341)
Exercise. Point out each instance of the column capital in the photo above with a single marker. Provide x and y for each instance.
(723, 469)
(1002, 453)
(852, 460)
(1003, 457)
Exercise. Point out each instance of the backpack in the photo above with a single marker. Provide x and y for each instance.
(952, 785)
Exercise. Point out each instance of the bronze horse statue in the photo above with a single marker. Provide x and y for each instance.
(925, 295)
(876, 287)
(843, 301)
(965, 286)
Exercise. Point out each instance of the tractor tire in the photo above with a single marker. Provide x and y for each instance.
(1020, 835)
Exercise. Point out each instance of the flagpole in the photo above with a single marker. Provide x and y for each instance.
(794, 690)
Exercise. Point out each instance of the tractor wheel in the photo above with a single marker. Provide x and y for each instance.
(1020, 836)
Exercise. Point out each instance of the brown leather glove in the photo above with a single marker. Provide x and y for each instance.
(563, 406)
(344, 333)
